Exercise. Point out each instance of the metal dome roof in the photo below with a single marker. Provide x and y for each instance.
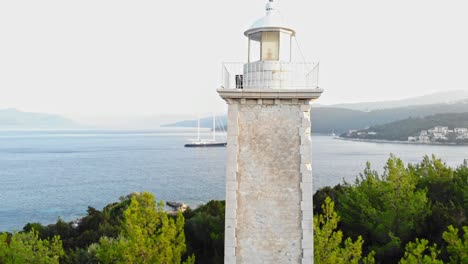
(272, 21)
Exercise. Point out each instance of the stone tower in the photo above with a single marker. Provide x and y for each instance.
(268, 173)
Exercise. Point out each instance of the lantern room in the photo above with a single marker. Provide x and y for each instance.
(270, 38)
(273, 62)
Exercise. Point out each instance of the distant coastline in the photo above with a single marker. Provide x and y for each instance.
(400, 142)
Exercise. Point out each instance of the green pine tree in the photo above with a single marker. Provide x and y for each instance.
(416, 253)
(388, 208)
(22, 248)
(457, 247)
(148, 236)
(328, 241)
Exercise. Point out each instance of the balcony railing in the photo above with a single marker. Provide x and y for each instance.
(270, 75)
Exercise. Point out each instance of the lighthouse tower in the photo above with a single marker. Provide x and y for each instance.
(268, 172)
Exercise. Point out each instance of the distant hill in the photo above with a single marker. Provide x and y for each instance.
(16, 119)
(325, 119)
(410, 127)
(436, 98)
(340, 120)
(206, 122)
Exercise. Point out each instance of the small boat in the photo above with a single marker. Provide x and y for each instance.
(206, 143)
(174, 204)
(176, 207)
(202, 144)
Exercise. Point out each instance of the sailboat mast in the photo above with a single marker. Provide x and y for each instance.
(198, 130)
(214, 127)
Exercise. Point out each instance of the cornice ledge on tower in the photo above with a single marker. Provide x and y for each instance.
(270, 93)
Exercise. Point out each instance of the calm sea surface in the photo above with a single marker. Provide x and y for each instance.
(46, 175)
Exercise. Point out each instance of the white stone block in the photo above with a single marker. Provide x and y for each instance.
(232, 139)
(229, 251)
(307, 260)
(306, 168)
(230, 235)
(230, 222)
(307, 215)
(252, 101)
(233, 131)
(306, 243)
(234, 108)
(231, 185)
(275, 83)
(231, 197)
(306, 108)
(231, 242)
(231, 152)
(285, 84)
(286, 66)
(307, 235)
(306, 122)
(233, 128)
(276, 76)
(230, 239)
(307, 195)
(306, 187)
(271, 66)
(258, 76)
(307, 253)
(306, 177)
(230, 259)
(306, 205)
(246, 69)
(304, 131)
(232, 174)
(306, 149)
(306, 139)
(231, 168)
(230, 213)
(307, 224)
(231, 207)
(306, 158)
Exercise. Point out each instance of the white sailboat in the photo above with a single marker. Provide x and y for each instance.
(199, 142)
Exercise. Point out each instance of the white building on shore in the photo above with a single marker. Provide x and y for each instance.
(438, 134)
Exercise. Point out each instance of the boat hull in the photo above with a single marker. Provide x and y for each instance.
(205, 145)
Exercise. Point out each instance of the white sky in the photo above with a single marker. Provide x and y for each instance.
(112, 57)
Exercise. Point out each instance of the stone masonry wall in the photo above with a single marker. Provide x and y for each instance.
(268, 182)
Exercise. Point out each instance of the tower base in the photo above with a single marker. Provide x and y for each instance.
(269, 176)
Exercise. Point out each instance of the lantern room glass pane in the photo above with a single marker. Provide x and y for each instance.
(270, 46)
(254, 46)
(285, 44)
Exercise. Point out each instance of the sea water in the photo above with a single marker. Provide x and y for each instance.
(50, 174)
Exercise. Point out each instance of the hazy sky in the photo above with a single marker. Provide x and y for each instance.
(117, 57)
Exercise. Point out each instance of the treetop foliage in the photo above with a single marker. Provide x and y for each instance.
(27, 247)
(414, 213)
(405, 204)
